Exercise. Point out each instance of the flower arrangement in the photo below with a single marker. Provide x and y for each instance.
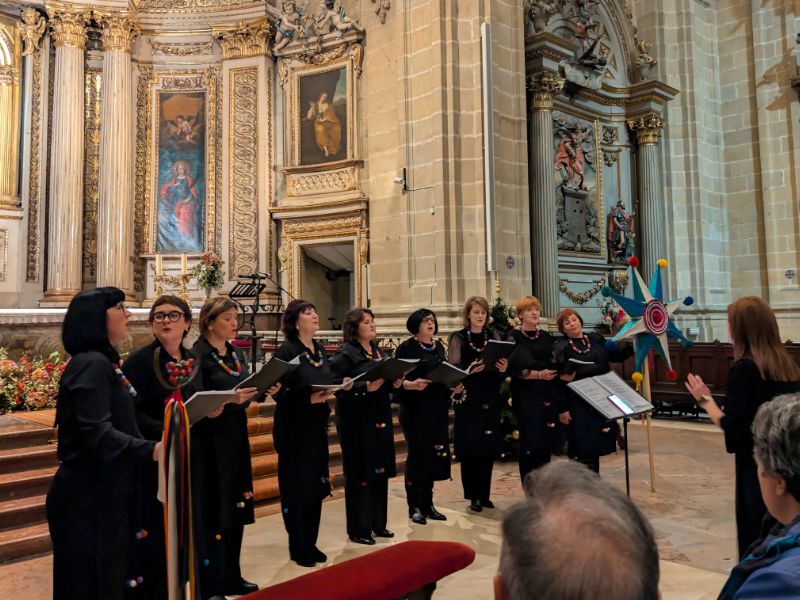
(209, 273)
(30, 383)
(613, 315)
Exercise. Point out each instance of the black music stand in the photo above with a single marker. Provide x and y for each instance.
(241, 292)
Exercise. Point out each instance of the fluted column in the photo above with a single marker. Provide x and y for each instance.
(544, 242)
(652, 244)
(117, 157)
(66, 168)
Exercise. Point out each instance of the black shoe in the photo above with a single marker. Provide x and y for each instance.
(384, 533)
(435, 515)
(475, 506)
(319, 555)
(305, 562)
(217, 597)
(241, 588)
(367, 541)
(417, 517)
(487, 503)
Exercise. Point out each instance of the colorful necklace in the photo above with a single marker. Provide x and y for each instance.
(473, 346)
(125, 381)
(235, 372)
(317, 361)
(180, 372)
(531, 336)
(373, 357)
(587, 345)
(425, 346)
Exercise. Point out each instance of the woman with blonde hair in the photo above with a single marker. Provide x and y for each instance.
(476, 433)
(763, 370)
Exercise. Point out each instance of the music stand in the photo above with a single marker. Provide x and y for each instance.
(241, 292)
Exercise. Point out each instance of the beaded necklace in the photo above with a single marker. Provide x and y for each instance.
(373, 357)
(317, 361)
(587, 345)
(235, 372)
(531, 336)
(425, 346)
(473, 346)
(125, 381)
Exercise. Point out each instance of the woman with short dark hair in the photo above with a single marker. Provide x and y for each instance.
(366, 434)
(424, 417)
(91, 505)
(300, 431)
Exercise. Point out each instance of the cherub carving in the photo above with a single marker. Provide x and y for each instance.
(539, 12)
(291, 25)
(31, 30)
(331, 15)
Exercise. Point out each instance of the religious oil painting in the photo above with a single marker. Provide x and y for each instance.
(578, 186)
(323, 114)
(181, 172)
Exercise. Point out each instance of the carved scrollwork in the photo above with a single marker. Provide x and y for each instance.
(339, 180)
(180, 49)
(247, 39)
(34, 185)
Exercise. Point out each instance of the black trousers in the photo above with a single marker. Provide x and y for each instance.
(366, 507)
(531, 460)
(476, 477)
(419, 495)
(302, 525)
(219, 562)
(592, 462)
(750, 507)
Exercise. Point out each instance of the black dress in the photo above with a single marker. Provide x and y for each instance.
(225, 483)
(536, 403)
(424, 417)
(300, 431)
(150, 402)
(366, 434)
(91, 505)
(747, 391)
(589, 435)
(476, 433)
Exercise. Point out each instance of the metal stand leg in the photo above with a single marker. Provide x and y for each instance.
(627, 464)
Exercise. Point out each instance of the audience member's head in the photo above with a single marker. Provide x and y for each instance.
(576, 537)
(776, 446)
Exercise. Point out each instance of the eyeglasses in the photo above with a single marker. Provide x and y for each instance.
(121, 306)
(428, 319)
(172, 316)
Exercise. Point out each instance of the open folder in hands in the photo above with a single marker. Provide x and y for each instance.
(202, 404)
(270, 374)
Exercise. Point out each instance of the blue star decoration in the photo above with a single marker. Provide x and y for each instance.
(651, 323)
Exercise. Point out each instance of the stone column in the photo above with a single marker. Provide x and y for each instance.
(544, 243)
(117, 157)
(651, 240)
(9, 134)
(66, 168)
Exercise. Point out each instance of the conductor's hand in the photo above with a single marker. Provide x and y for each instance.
(697, 387)
(565, 417)
(397, 382)
(157, 449)
(501, 365)
(567, 376)
(242, 395)
(274, 389)
(417, 385)
(374, 386)
(321, 396)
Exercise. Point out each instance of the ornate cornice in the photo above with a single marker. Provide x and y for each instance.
(647, 127)
(544, 86)
(31, 29)
(180, 48)
(119, 30)
(69, 26)
(245, 39)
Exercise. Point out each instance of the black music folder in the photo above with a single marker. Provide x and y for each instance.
(446, 374)
(391, 369)
(494, 351)
(270, 374)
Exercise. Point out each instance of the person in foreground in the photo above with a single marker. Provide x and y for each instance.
(771, 570)
(91, 508)
(763, 369)
(576, 537)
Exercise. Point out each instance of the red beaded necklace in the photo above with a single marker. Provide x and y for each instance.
(235, 372)
(587, 345)
(473, 346)
(531, 336)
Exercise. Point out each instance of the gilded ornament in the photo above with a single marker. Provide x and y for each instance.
(142, 127)
(382, 9)
(93, 83)
(324, 182)
(31, 30)
(610, 158)
(247, 39)
(69, 27)
(180, 49)
(119, 30)
(617, 282)
(610, 135)
(34, 186)
(3, 254)
(9, 75)
(647, 127)
(544, 87)
(189, 5)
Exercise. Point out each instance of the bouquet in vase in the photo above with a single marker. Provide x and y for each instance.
(209, 273)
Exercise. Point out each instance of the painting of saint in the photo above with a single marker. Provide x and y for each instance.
(181, 169)
(323, 130)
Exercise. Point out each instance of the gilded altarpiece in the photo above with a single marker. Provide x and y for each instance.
(93, 84)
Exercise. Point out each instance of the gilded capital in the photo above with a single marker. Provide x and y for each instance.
(247, 38)
(31, 29)
(119, 30)
(69, 27)
(9, 75)
(647, 127)
(544, 87)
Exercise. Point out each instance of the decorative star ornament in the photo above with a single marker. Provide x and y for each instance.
(651, 321)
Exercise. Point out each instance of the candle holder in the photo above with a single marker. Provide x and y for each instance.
(180, 281)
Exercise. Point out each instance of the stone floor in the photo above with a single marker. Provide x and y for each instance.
(691, 512)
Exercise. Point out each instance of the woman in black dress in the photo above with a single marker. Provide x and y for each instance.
(763, 370)
(589, 435)
(535, 395)
(225, 483)
(477, 435)
(148, 370)
(424, 417)
(91, 503)
(300, 432)
(364, 424)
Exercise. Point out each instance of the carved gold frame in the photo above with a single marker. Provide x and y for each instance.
(201, 80)
(297, 234)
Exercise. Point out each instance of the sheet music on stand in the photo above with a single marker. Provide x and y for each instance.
(609, 395)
